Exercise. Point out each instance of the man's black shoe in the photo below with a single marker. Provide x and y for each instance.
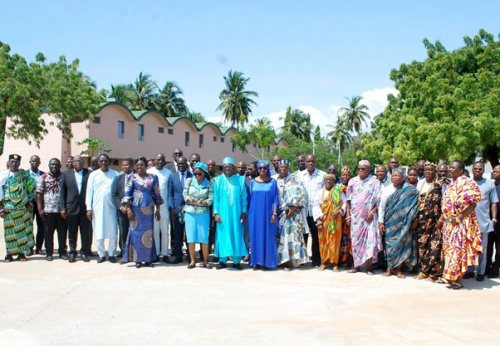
(72, 259)
(221, 265)
(468, 275)
(49, 258)
(237, 266)
(167, 260)
(480, 277)
(85, 258)
(177, 260)
(63, 257)
(112, 259)
(101, 260)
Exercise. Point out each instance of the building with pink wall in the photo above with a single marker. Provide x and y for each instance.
(135, 133)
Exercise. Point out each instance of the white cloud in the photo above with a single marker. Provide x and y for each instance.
(375, 100)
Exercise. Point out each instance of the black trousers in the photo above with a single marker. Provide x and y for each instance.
(178, 238)
(40, 232)
(123, 226)
(53, 222)
(81, 222)
(493, 265)
(313, 231)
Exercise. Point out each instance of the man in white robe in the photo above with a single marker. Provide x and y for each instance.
(101, 210)
(166, 191)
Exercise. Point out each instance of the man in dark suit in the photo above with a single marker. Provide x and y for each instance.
(73, 209)
(175, 204)
(117, 192)
(172, 166)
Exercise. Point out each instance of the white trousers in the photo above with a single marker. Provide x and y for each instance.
(101, 251)
(162, 227)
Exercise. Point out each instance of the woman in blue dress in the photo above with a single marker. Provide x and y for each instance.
(198, 196)
(263, 219)
(142, 193)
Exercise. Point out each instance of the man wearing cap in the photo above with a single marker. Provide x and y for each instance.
(230, 212)
(17, 188)
(361, 216)
(166, 191)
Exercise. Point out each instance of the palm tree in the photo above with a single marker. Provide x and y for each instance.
(340, 136)
(143, 90)
(122, 94)
(170, 101)
(196, 117)
(297, 124)
(236, 103)
(355, 114)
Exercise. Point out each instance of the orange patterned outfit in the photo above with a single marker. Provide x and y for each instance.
(461, 243)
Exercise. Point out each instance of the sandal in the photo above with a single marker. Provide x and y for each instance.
(369, 272)
(21, 257)
(191, 266)
(321, 267)
(455, 286)
(336, 269)
(388, 272)
(431, 279)
(288, 269)
(421, 276)
(207, 266)
(442, 281)
(9, 258)
(400, 275)
(353, 270)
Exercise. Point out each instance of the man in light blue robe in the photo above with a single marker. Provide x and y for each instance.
(230, 212)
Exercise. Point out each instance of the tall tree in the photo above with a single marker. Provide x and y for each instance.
(340, 136)
(355, 114)
(236, 102)
(195, 117)
(448, 106)
(297, 125)
(123, 94)
(170, 101)
(26, 90)
(261, 133)
(144, 88)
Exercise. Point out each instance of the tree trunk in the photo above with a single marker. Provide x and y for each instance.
(491, 154)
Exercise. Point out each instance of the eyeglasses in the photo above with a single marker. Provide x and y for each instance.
(362, 168)
(262, 168)
(199, 174)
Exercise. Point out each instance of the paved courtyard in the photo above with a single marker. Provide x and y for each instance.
(58, 303)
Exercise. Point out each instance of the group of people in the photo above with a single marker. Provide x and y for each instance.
(433, 220)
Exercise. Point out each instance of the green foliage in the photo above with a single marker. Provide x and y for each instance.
(236, 103)
(260, 134)
(169, 101)
(94, 146)
(340, 136)
(195, 117)
(447, 107)
(27, 90)
(296, 125)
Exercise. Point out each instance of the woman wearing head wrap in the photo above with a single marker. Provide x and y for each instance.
(263, 219)
(327, 213)
(292, 219)
(198, 196)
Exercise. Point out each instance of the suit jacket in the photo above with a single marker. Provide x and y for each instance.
(171, 167)
(177, 201)
(118, 191)
(69, 198)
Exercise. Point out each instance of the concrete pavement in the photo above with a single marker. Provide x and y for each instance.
(58, 303)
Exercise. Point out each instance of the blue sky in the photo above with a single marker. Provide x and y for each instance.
(306, 54)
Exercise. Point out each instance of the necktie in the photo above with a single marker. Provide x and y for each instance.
(182, 179)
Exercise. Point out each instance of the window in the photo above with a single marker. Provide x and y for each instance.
(97, 120)
(186, 139)
(170, 131)
(215, 138)
(201, 141)
(233, 147)
(161, 130)
(140, 133)
(222, 139)
(121, 129)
